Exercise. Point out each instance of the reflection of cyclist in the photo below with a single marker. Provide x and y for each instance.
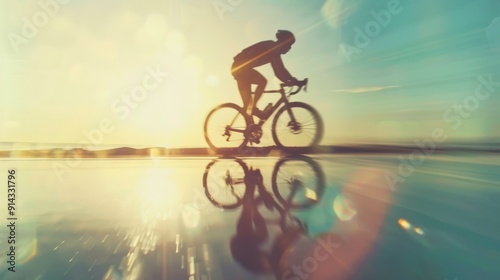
(251, 232)
(257, 55)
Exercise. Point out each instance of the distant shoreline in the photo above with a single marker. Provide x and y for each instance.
(253, 151)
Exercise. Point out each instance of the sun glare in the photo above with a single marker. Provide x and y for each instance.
(159, 190)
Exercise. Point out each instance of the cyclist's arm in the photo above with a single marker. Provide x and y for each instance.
(280, 70)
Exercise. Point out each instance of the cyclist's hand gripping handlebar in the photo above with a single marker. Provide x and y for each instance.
(300, 84)
(305, 81)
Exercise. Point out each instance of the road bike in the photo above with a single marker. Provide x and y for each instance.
(267, 229)
(297, 182)
(296, 124)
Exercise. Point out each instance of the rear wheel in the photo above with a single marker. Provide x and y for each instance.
(305, 129)
(225, 126)
(224, 182)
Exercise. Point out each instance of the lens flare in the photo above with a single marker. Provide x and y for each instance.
(343, 209)
(404, 224)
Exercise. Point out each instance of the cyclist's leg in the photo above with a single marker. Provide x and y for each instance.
(245, 92)
(256, 78)
(251, 223)
(260, 226)
(254, 179)
(245, 78)
(244, 85)
(244, 225)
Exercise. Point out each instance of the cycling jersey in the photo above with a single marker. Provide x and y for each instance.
(260, 54)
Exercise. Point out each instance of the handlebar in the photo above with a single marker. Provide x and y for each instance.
(303, 85)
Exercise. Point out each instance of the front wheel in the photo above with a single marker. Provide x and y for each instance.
(298, 182)
(297, 125)
(225, 127)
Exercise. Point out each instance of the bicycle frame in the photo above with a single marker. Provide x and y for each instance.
(290, 191)
(284, 210)
(282, 100)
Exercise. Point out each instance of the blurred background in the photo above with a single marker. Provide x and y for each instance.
(87, 73)
(381, 72)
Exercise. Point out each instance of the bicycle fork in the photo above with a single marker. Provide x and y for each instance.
(293, 122)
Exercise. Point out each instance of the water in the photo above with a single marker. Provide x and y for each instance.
(151, 219)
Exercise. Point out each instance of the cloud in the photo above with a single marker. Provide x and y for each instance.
(363, 89)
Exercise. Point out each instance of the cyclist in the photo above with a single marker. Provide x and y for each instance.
(251, 230)
(247, 246)
(257, 55)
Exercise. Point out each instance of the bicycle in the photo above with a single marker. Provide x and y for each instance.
(297, 181)
(228, 126)
(228, 182)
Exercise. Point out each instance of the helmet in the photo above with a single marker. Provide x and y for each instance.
(285, 36)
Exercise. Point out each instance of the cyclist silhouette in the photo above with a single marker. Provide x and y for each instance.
(251, 230)
(257, 55)
(247, 246)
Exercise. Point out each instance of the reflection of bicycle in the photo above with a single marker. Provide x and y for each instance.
(296, 124)
(298, 182)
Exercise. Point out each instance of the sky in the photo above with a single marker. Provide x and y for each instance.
(146, 73)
